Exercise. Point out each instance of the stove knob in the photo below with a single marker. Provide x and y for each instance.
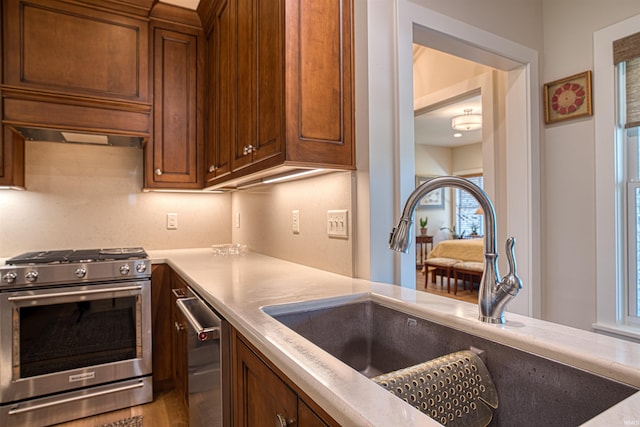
(141, 268)
(31, 276)
(124, 269)
(81, 272)
(10, 277)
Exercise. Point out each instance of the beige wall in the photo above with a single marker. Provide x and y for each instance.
(568, 184)
(266, 221)
(82, 196)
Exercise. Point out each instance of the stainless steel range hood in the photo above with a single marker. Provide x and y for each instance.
(76, 137)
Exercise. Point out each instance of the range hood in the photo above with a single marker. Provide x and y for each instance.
(76, 137)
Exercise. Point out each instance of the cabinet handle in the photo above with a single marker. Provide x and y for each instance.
(178, 326)
(248, 149)
(281, 421)
(212, 168)
(158, 171)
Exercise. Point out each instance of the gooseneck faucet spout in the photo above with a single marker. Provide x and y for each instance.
(494, 293)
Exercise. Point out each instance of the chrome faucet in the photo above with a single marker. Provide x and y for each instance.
(494, 294)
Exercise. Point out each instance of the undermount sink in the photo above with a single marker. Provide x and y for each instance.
(374, 339)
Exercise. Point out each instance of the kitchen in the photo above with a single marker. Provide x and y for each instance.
(102, 183)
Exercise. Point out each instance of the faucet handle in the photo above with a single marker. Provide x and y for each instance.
(511, 282)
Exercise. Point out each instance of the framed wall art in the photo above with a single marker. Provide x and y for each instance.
(568, 98)
(433, 200)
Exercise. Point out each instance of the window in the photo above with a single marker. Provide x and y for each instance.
(469, 219)
(626, 53)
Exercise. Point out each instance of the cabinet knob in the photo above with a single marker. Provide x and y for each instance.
(178, 326)
(248, 149)
(158, 171)
(281, 421)
(212, 168)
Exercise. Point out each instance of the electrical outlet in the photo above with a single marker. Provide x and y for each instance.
(295, 221)
(337, 223)
(172, 221)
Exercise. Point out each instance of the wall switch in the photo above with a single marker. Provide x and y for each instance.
(337, 223)
(295, 221)
(172, 221)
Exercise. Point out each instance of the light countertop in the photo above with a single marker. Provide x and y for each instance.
(238, 286)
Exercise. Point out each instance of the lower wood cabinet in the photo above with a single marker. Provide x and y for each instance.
(179, 341)
(264, 396)
(161, 327)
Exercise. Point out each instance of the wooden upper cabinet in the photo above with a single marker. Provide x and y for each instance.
(11, 159)
(319, 76)
(65, 47)
(173, 155)
(282, 91)
(260, 82)
(220, 60)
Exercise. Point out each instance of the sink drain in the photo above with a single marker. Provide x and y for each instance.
(455, 390)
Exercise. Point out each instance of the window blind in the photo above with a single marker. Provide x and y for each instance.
(627, 50)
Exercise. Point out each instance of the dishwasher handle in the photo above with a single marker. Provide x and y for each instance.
(203, 333)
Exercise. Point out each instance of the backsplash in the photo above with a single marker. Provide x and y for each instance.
(83, 196)
(266, 221)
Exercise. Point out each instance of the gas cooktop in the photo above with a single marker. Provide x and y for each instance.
(75, 266)
(81, 255)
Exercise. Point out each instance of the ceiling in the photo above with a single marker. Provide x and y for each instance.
(188, 4)
(433, 126)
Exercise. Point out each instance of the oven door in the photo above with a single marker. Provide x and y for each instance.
(64, 338)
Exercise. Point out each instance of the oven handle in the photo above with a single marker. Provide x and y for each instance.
(75, 293)
(75, 398)
(203, 333)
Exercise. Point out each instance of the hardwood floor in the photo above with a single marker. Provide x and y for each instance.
(437, 288)
(165, 411)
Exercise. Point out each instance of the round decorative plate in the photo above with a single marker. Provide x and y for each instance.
(568, 98)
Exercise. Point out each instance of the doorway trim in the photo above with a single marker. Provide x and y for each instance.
(519, 188)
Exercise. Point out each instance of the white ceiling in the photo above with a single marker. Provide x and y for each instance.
(433, 127)
(188, 4)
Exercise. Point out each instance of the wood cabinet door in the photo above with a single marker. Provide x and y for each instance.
(179, 343)
(174, 153)
(221, 90)
(260, 81)
(259, 394)
(70, 48)
(308, 418)
(319, 76)
(11, 158)
(161, 326)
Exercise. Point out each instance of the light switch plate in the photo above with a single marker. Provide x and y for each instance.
(337, 223)
(295, 221)
(172, 221)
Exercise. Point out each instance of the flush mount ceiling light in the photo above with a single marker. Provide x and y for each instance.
(467, 121)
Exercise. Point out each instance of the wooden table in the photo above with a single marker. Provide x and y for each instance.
(421, 241)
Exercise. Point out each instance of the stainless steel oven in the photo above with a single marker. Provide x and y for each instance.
(75, 338)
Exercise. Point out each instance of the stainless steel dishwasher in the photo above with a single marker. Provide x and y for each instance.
(206, 362)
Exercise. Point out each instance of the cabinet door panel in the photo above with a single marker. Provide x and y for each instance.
(64, 47)
(259, 394)
(319, 77)
(270, 75)
(260, 81)
(222, 82)
(176, 141)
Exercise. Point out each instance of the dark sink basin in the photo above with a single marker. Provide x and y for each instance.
(373, 339)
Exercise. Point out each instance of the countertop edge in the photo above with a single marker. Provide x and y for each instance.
(600, 354)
